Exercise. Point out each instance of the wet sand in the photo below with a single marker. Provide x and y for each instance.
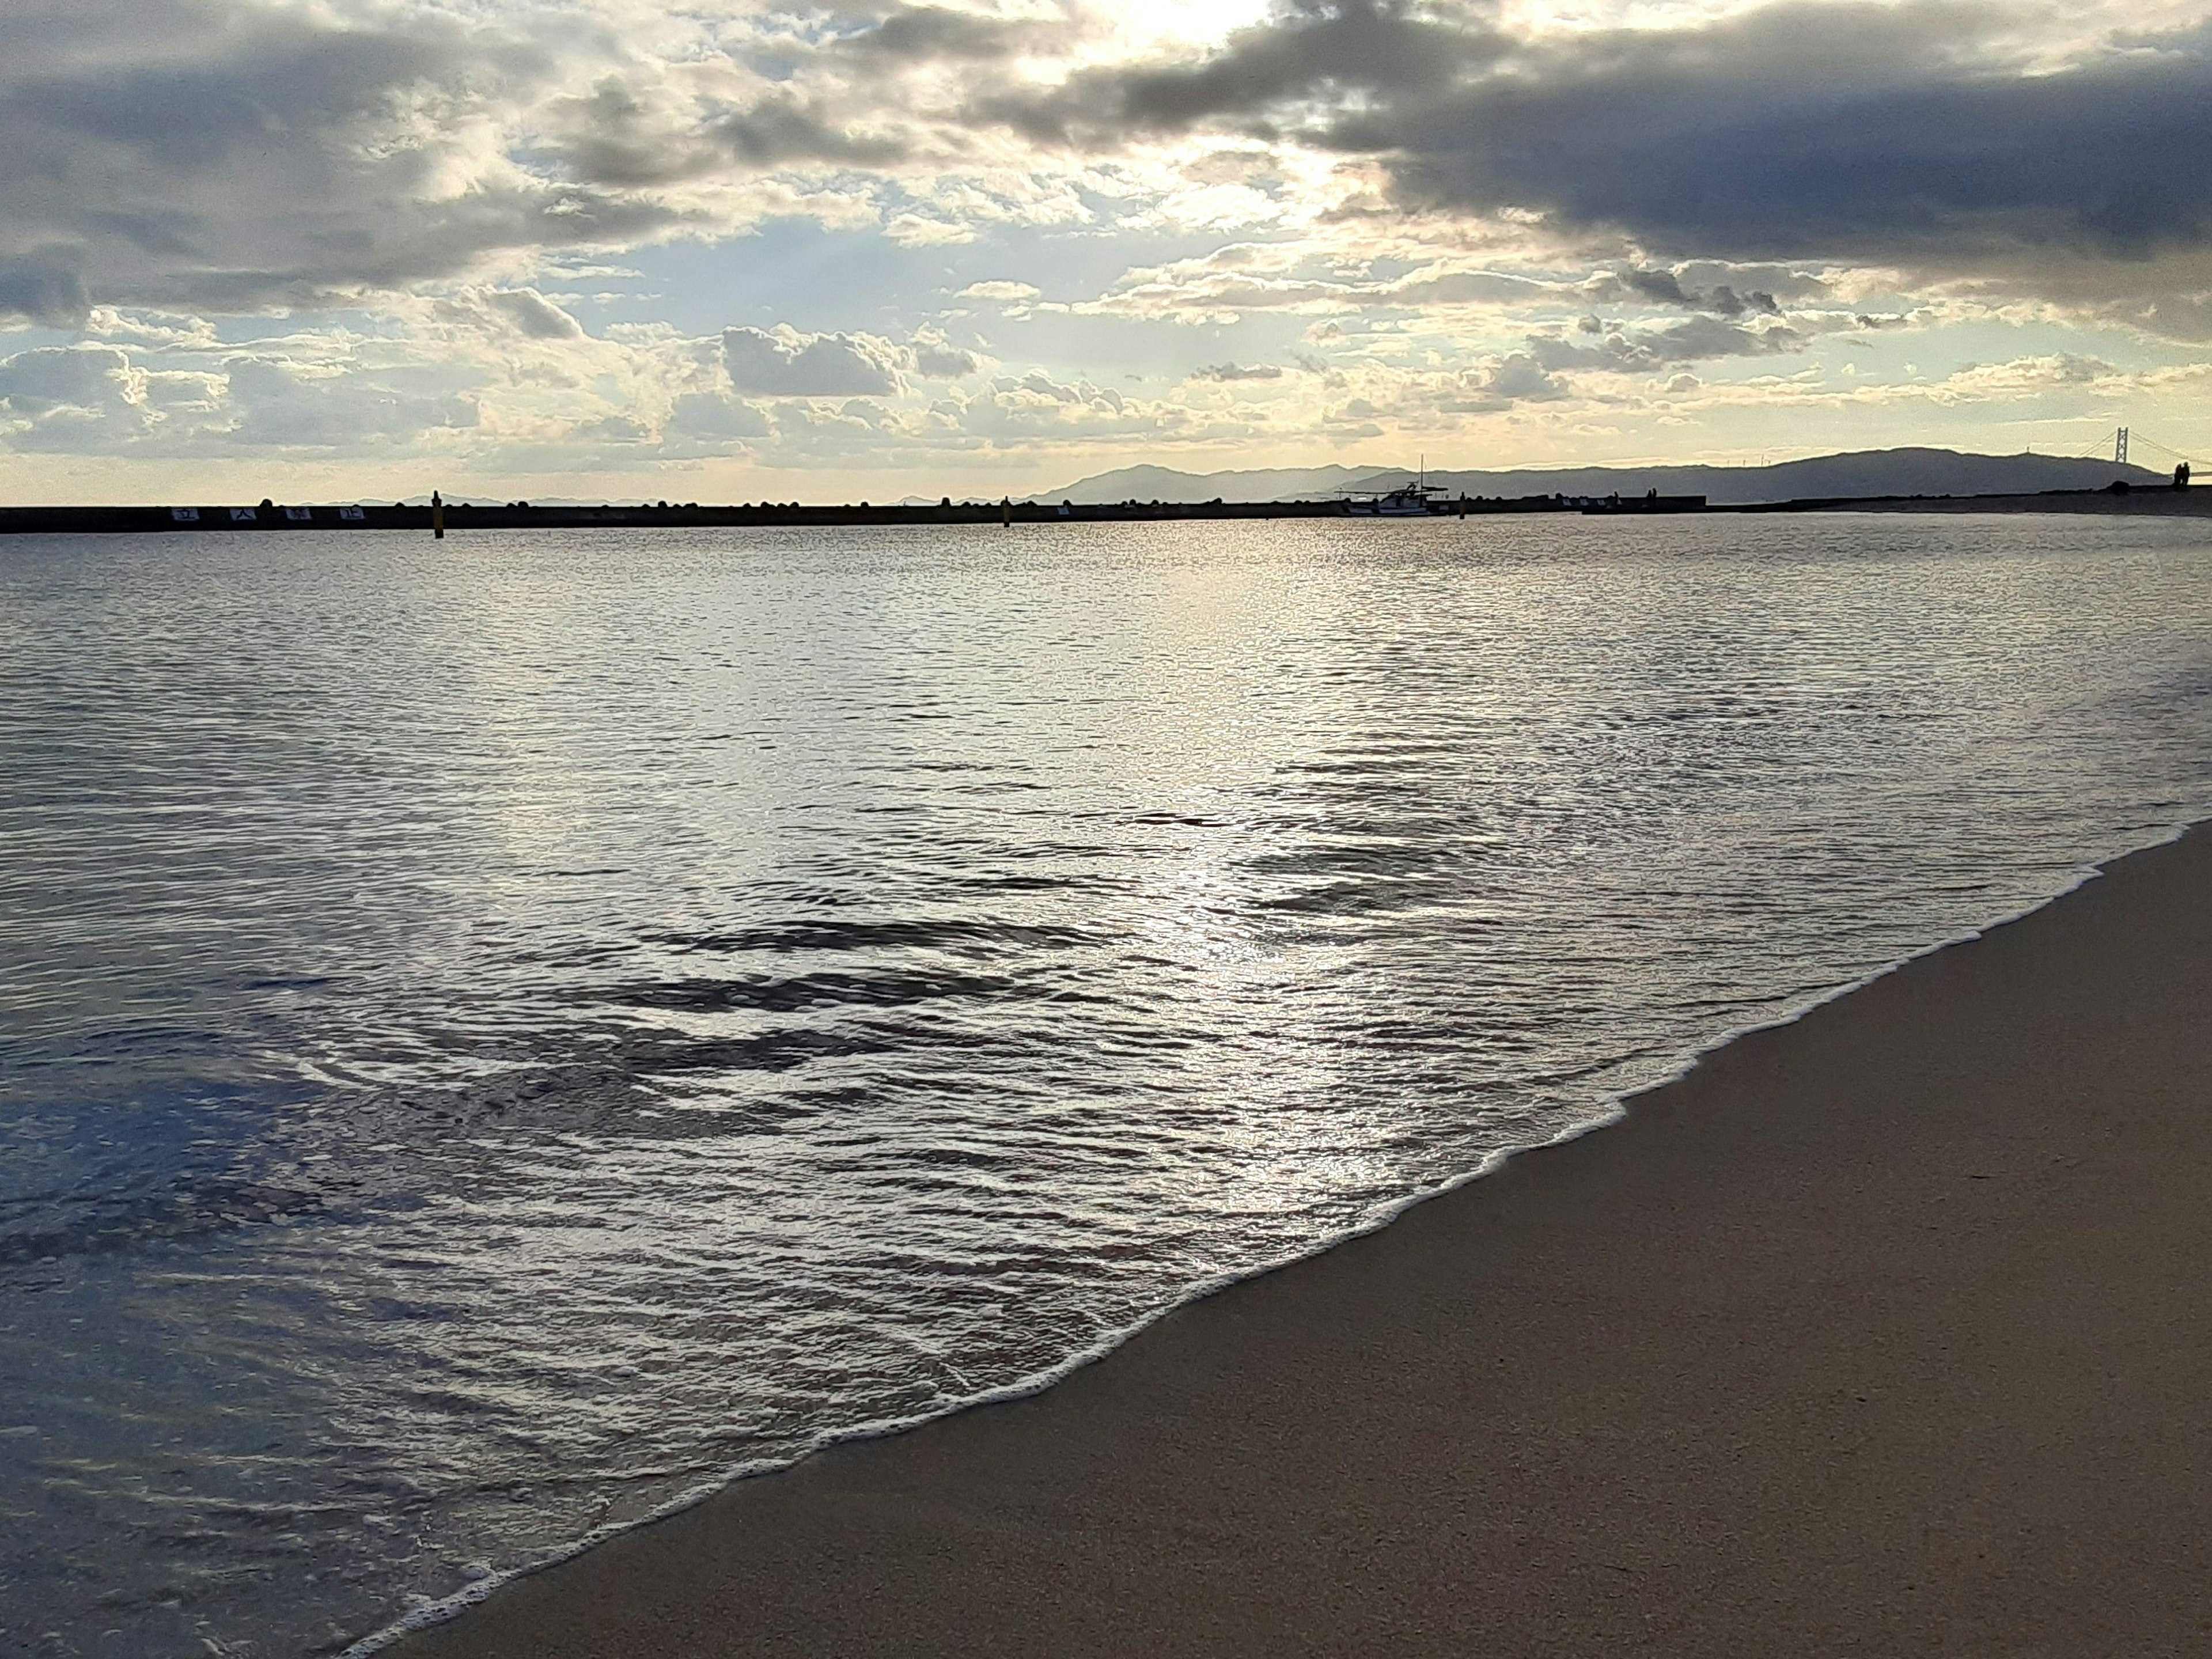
(1886, 1333)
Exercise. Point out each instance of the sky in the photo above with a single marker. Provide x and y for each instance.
(719, 251)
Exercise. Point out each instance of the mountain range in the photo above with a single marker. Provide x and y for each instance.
(1864, 472)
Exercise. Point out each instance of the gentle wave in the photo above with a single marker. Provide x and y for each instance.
(428, 1614)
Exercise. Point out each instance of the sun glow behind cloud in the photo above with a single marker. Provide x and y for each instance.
(1150, 25)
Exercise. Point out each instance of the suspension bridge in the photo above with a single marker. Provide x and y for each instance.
(2125, 439)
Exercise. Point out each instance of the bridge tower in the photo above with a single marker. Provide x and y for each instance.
(2120, 448)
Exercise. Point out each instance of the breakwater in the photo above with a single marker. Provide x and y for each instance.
(113, 520)
(523, 515)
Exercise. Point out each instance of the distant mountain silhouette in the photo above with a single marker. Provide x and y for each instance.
(1165, 484)
(1865, 473)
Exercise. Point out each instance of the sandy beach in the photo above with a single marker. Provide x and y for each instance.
(1885, 1332)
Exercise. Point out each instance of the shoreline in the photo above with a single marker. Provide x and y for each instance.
(770, 1565)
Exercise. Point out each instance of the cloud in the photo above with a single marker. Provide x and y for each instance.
(703, 423)
(77, 399)
(936, 358)
(1015, 411)
(273, 405)
(255, 155)
(1519, 378)
(85, 377)
(533, 314)
(1313, 50)
(245, 155)
(922, 230)
(999, 291)
(1894, 133)
(48, 294)
(1665, 288)
(1694, 339)
(228, 155)
(781, 128)
(101, 399)
(781, 362)
(220, 155)
(1440, 397)
(660, 129)
(1506, 206)
(1926, 135)
(923, 34)
(1243, 277)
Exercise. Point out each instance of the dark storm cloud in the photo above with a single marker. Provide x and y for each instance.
(225, 156)
(1694, 339)
(1912, 134)
(614, 137)
(779, 131)
(1313, 51)
(1665, 288)
(38, 292)
(231, 155)
(618, 138)
(1823, 131)
(922, 33)
(246, 155)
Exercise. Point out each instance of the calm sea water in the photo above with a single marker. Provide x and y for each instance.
(495, 1034)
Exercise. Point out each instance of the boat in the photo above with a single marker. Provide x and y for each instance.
(1406, 501)
(1411, 501)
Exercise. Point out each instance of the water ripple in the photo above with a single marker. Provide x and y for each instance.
(499, 1032)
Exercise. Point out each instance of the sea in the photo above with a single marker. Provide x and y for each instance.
(501, 1036)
